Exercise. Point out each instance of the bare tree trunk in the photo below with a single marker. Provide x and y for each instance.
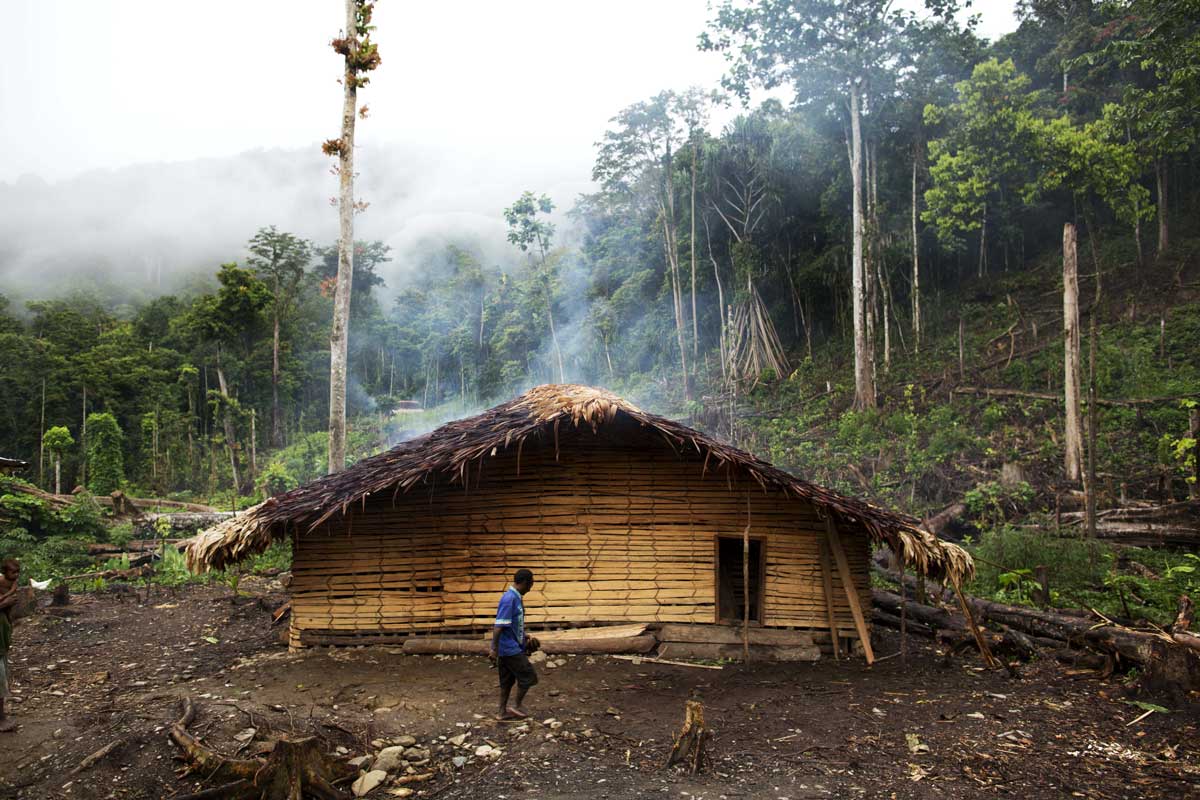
(1194, 433)
(982, 269)
(1071, 367)
(57, 474)
(722, 341)
(227, 421)
(276, 422)
(670, 244)
(695, 320)
(339, 336)
(1160, 177)
(864, 366)
(1090, 485)
(83, 441)
(42, 441)
(916, 271)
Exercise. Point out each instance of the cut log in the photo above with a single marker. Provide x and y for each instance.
(180, 524)
(759, 652)
(114, 574)
(725, 634)
(421, 645)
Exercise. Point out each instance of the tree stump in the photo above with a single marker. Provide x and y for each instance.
(1172, 672)
(689, 742)
(294, 769)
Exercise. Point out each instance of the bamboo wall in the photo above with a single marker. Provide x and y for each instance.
(618, 527)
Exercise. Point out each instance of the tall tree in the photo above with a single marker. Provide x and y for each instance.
(280, 259)
(828, 52)
(58, 440)
(361, 56)
(635, 160)
(530, 233)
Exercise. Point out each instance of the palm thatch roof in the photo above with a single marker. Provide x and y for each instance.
(449, 452)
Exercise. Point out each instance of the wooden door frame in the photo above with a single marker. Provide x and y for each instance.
(762, 574)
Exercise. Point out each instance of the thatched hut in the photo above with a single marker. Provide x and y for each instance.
(11, 465)
(624, 516)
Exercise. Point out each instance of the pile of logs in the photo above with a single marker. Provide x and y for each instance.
(1169, 658)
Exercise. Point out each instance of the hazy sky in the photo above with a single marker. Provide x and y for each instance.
(88, 84)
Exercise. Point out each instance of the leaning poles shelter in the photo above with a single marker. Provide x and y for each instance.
(624, 516)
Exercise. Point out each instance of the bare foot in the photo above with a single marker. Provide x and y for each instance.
(510, 716)
(518, 713)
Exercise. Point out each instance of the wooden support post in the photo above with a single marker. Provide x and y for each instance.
(827, 579)
(839, 555)
(980, 642)
(746, 585)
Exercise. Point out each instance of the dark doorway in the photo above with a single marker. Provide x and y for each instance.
(731, 590)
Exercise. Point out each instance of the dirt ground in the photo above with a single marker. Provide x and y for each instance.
(116, 669)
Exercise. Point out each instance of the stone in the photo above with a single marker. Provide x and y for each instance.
(457, 741)
(403, 791)
(389, 759)
(359, 761)
(405, 741)
(459, 762)
(555, 725)
(368, 782)
(538, 657)
(551, 664)
(484, 750)
(416, 754)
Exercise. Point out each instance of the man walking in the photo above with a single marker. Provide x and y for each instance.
(510, 647)
(10, 573)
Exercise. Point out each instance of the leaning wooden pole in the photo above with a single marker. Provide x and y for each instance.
(856, 610)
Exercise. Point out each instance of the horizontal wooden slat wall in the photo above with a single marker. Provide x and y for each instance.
(617, 527)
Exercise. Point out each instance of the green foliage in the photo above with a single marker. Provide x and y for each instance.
(991, 503)
(105, 460)
(58, 439)
(276, 479)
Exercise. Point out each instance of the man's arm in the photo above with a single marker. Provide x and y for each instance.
(494, 647)
(503, 620)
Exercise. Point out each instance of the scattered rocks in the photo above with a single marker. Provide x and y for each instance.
(368, 782)
(538, 657)
(416, 754)
(459, 762)
(359, 761)
(457, 741)
(406, 741)
(484, 750)
(389, 759)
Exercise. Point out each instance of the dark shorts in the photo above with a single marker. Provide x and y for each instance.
(516, 669)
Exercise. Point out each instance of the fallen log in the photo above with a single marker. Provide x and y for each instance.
(180, 524)
(1176, 524)
(114, 574)
(1131, 402)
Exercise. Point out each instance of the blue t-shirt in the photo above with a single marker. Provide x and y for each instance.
(510, 616)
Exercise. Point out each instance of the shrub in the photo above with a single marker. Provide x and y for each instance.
(105, 464)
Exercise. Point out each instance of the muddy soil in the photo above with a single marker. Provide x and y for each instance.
(116, 669)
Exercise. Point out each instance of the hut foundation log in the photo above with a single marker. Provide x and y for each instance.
(758, 652)
(688, 747)
(294, 768)
(419, 645)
